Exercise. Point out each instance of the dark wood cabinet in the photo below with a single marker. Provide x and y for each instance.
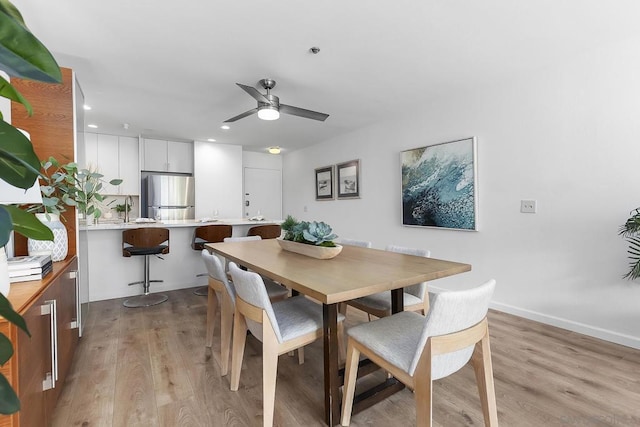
(41, 362)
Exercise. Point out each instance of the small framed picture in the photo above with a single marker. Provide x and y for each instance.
(348, 174)
(324, 183)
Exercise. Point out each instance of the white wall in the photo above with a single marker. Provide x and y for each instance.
(251, 159)
(567, 136)
(218, 176)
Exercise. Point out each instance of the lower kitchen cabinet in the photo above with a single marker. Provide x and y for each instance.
(41, 363)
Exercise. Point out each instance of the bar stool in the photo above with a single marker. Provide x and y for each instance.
(208, 234)
(271, 231)
(145, 242)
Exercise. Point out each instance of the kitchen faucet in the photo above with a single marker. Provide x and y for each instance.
(128, 202)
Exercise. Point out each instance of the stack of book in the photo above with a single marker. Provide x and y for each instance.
(25, 268)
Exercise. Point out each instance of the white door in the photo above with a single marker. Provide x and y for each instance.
(263, 192)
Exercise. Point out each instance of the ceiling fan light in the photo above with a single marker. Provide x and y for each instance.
(268, 112)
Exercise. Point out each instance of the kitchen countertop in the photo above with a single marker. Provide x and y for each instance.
(173, 224)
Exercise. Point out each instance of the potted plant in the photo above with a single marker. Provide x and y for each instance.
(89, 183)
(58, 191)
(314, 239)
(65, 185)
(631, 231)
(122, 208)
(21, 55)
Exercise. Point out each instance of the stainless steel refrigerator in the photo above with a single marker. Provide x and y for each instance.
(170, 197)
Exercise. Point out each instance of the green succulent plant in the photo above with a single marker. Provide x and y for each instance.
(310, 233)
(319, 233)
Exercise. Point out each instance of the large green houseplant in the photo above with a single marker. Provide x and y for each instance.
(631, 231)
(21, 55)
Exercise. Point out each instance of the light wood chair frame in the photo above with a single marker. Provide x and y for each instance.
(226, 321)
(421, 382)
(271, 349)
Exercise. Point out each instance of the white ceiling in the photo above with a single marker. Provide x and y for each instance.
(169, 69)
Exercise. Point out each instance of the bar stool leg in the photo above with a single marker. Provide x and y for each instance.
(147, 299)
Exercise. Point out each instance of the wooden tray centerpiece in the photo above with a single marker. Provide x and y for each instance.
(312, 239)
(319, 252)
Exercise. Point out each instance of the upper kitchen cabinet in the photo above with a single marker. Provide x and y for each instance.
(114, 157)
(168, 156)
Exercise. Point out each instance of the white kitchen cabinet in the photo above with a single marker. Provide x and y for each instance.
(114, 157)
(168, 156)
(180, 156)
(129, 166)
(91, 150)
(108, 161)
(155, 155)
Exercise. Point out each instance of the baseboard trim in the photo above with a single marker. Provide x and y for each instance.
(581, 328)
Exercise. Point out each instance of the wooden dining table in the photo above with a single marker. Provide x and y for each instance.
(354, 273)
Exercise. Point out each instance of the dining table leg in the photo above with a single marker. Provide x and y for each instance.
(331, 364)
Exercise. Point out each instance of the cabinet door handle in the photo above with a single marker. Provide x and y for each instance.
(75, 322)
(50, 308)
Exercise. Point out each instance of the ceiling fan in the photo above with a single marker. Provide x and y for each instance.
(269, 107)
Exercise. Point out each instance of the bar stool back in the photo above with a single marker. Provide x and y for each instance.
(145, 242)
(270, 231)
(202, 235)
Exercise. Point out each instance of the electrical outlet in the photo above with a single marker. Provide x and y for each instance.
(528, 206)
(305, 209)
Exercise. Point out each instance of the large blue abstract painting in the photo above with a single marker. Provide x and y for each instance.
(439, 185)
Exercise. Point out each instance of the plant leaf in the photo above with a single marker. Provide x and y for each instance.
(9, 402)
(21, 53)
(5, 225)
(28, 225)
(10, 92)
(6, 310)
(6, 349)
(19, 165)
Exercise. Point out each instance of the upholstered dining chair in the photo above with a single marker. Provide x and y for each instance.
(268, 231)
(212, 233)
(222, 291)
(281, 327)
(415, 296)
(276, 294)
(419, 349)
(353, 242)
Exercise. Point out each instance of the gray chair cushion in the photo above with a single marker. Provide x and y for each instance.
(394, 338)
(300, 317)
(274, 290)
(400, 338)
(382, 300)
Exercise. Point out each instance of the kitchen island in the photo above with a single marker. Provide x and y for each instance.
(108, 272)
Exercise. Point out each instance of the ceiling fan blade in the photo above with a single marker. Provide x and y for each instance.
(254, 93)
(242, 116)
(301, 112)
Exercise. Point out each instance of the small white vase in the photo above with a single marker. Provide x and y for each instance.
(59, 248)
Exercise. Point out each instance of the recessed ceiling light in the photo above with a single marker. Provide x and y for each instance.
(225, 127)
(92, 126)
(211, 140)
(86, 107)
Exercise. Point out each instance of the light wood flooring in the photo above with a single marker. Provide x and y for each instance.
(149, 367)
